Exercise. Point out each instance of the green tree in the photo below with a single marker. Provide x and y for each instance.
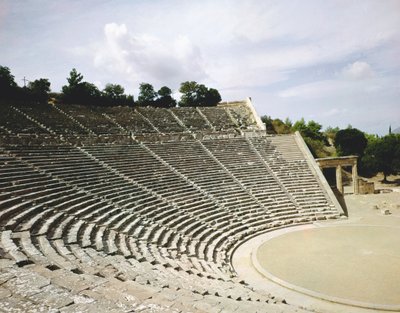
(350, 141)
(74, 78)
(164, 91)
(288, 122)
(371, 139)
(313, 136)
(310, 130)
(317, 147)
(147, 95)
(314, 131)
(70, 91)
(211, 97)
(165, 99)
(300, 125)
(194, 94)
(6, 78)
(80, 92)
(40, 89)
(114, 95)
(129, 100)
(277, 126)
(382, 155)
(331, 132)
(267, 120)
(89, 91)
(8, 86)
(189, 94)
(281, 127)
(113, 91)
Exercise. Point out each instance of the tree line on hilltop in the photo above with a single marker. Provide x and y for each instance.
(78, 91)
(375, 153)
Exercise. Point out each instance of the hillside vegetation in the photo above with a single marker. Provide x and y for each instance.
(376, 154)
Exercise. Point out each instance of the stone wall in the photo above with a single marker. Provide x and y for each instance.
(365, 187)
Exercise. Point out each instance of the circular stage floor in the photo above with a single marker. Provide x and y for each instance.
(356, 265)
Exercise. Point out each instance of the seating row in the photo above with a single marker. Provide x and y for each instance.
(114, 224)
(71, 229)
(78, 120)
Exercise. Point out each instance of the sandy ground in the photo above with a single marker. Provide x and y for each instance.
(349, 262)
(373, 257)
(393, 181)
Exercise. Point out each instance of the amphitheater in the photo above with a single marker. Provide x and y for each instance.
(115, 209)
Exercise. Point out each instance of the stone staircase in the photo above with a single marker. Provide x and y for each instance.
(146, 225)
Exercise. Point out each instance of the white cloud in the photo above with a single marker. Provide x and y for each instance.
(296, 34)
(354, 78)
(285, 54)
(147, 58)
(358, 70)
(334, 112)
(239, 44)
(342, 88)
(312, 90)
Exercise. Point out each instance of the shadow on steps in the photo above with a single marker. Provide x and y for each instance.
(341, 200)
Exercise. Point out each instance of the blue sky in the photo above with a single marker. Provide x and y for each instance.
(337, 62)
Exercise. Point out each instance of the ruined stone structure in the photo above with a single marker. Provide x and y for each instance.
(122, 210)
(365, 187)
(338, 163)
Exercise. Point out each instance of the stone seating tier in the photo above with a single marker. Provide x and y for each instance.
(52, 118)
(219, 118)
(90, 118)
(243, 117)
(77, 120)
(130, 120)
(16, 123)
(192, 119)
(162, 119)
(123, 219)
